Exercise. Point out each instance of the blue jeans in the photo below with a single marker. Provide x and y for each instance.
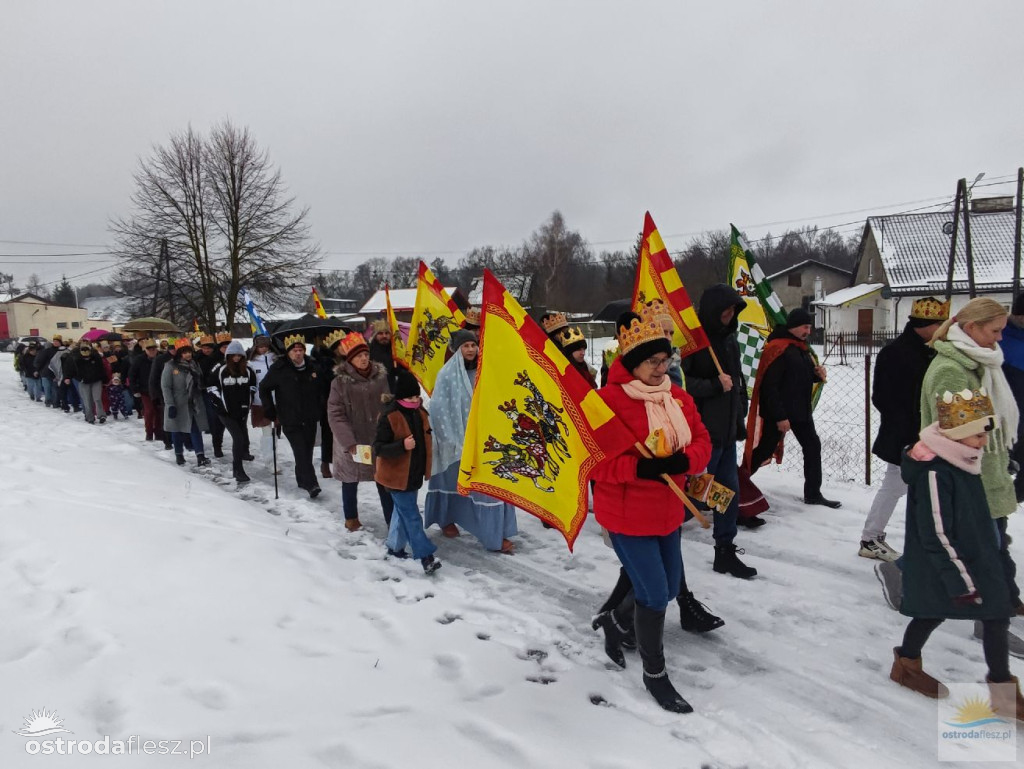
(654, 566)
(407, 526)
(128, 403)
(197, 440)
(49, 391)
(35, 388)
(723, 466)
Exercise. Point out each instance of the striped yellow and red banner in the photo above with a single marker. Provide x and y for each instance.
(320, 311)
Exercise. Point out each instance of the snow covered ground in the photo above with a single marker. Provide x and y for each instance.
(143, 599)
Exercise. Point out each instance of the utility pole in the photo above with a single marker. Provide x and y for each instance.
(165, 256)
(960, 185)
(971, 292)
(1016, 236)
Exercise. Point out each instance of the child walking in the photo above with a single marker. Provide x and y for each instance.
(951, 564)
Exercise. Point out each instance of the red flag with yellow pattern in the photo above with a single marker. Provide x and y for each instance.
(536, 428)
(320, 312)
(434, 318)
(658, 279)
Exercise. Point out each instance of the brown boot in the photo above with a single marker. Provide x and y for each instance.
(907, 672)
(1003, 700)
(353, 524)
(325, 469)
(451, 531)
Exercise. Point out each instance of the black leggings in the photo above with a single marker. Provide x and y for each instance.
(239, 438)
(994, 642)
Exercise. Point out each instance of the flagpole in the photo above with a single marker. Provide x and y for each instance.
(672, 485)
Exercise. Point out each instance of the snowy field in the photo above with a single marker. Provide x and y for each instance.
(145, 600)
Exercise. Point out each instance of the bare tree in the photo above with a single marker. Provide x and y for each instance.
(36, 286)
(551, 253)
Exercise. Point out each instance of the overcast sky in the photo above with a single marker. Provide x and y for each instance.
(426, 128)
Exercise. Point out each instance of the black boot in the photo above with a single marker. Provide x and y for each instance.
(218, 452)
(179, 458)
(238, 472)
(694, 616)
(202, 460)
(614, 635)
(650, 626)
(726, 562)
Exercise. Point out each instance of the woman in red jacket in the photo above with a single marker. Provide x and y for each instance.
(631, 498)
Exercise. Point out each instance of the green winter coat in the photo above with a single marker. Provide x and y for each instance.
(950, 547)
(952, 371)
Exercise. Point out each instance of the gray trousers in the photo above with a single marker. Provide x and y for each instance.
(92, 399)
(884, 503)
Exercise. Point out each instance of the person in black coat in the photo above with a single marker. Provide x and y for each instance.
(381, 352)
(156, 392)
(721, 399)
(85, 366)
(896, 393)
(138, 379)
(231, 385)
(208, 357)
(292, 394)
(786, 378)
(325, 357)
(46, 376)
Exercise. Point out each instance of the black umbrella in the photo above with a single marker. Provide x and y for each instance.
(111, 336)
(613, 310)
(310, 326)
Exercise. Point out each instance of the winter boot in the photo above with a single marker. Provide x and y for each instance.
(614, 634)
(650, 626)
(179, 459)
(238, 472)
(451, 531)
(1007, 701)
(907, 672)
(353, 524)
(325, 469)
(202, 460)
(314, 492)
(726, 562)
(752, 522)
(400, 554)
(218, 451)
(694, 616)
(430, 564)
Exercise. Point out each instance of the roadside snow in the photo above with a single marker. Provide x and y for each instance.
(140, 598)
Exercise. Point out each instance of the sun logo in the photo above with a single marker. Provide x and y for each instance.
(41, 723)
(975, 711)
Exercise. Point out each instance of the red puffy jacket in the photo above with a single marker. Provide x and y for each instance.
(625, 504)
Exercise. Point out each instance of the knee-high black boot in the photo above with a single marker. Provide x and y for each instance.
(650, 627)
(617, 629)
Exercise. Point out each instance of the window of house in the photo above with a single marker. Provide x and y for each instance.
(76, 324)
(62, 325)
(796, 279)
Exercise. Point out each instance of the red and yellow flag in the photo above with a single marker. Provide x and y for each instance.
(536, 428)
(398, 351)
(434, 318)
(320, 311)
(195, 326)
(657, 278)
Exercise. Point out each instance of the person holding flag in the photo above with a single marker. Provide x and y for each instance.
(632, 500)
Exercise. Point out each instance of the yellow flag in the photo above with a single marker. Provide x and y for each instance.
(398, 351)
(320, 312)
(434, 318)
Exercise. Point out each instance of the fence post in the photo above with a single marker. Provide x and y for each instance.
(867, 419)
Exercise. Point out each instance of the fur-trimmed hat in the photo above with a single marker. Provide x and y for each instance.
(261, 339)
(639, 340)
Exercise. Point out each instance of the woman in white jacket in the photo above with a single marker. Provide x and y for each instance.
(260, 359)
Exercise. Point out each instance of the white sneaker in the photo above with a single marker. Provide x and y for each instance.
(876, 548)
(893, 554)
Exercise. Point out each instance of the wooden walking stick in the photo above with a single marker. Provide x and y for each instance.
(672, 485)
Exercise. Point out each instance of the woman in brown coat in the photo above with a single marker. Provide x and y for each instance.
(352, 410)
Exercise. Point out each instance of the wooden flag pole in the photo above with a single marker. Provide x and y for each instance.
(672, 485)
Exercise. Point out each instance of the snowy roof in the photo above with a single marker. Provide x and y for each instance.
(112, 308)
(401, 299)
(915, 251)
(850, 294)
(807, 262)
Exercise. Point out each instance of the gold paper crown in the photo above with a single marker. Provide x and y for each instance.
(351, 343)
(655, 310)
(294, 339)
(569, 336)
(205, 339)
(381, 325)
(144, 343)
(473, 317)
(968, 412)
(638, 332)
(182, 343)
(554, 322)
(223, 337)
(930, 308)
(333, 338)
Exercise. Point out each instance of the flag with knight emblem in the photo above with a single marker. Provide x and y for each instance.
(434, 317)
(536, 428)
(398, 351)
(657, 278)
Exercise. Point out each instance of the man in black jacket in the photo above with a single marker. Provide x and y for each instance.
(291, 393)
(211, 353)
(721, 399)
(787, 375)
(138, 378)
(896, 393)
(46, 376)
(156, 392)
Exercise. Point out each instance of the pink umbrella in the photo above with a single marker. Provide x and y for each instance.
(93, 334)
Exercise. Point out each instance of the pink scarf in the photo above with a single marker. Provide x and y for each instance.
(663, 412)
(958, 454)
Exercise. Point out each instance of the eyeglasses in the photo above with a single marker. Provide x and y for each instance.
(658, 362)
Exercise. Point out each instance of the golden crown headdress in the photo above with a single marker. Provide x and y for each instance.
(965, 413)
(333, 338)
(351, 342)
(381, 325)
(205, 339)
(473, 317)
(655, 310)
(223, 337)
(638, 332)
(569, 336)
(555, 322)
(146, 343)
(930, 308)
(294, 339)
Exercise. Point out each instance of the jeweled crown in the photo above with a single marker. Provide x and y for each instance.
(655, 310)
(638, 332)
(930, 308)
(964, 413)
(555, 322)
(473, 317)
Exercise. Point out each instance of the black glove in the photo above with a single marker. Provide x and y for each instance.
(652, 469)
(172, 412)
(270, 413)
